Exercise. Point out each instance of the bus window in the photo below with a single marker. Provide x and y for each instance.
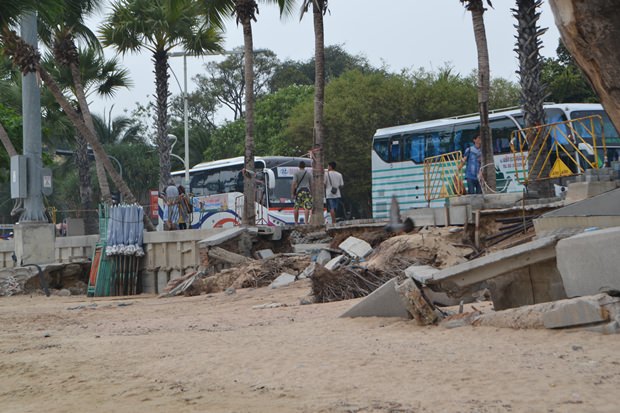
(466, 134)
(438, 143)
(560, 134)
(501, 131)
(414, 148)
(382, 148)
(198, 183)
(395, 149)
(228, 178)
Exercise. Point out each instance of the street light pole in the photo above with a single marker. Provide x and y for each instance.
(185, 119)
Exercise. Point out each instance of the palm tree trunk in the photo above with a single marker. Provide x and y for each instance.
(81, 128)
(532, 91)
(477, 14)
(163, 143)
(318, 191)
(88, 119)
(6, 142)
(249, 195)
(86, 191)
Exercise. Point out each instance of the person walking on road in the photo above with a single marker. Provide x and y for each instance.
(300, 192)
(333, 183)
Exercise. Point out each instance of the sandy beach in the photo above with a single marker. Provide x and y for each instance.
(233, 353)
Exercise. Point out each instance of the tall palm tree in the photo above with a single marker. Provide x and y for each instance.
(319, 8)
(532, 90)
(28, 60)
(159, 26)
(477, 9)
(245, 12)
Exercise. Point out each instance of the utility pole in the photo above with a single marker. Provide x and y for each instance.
(34, 236)
(31, 113)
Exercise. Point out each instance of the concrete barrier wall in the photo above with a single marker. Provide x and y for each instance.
(170, 254)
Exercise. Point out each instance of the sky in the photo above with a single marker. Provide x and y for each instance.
(401, 34)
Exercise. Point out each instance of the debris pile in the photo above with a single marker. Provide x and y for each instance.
(352, 276)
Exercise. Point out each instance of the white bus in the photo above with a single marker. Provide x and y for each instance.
(398, 152)
(216, 190)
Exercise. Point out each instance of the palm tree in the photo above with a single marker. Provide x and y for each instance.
(477, 9)
(245, 12)
(319, 8)
(532, 90)
(28, 60)
(159, 26)
(99, 75)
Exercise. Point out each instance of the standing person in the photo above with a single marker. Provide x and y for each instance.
(184, 208)
(172, 202)
(472, 158)
(333, 183)
(300, 191)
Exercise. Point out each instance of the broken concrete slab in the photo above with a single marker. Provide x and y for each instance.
(334, 262)
(310, 249)
(323, 257)
(385, 301)
(578, 191)
(355, 247)
(576, 312)
(221, 236)
(521, 275)
(438, 298)
(589, 262)
(283, 279)
(308, 271)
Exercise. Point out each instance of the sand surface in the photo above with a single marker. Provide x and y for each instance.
(218, 353)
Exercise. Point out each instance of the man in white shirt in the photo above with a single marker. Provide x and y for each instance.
(333, 183)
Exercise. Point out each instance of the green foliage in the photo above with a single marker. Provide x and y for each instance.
(228, 141)
(12, 123)
(140, 164)
(565, 80)
(271, 119)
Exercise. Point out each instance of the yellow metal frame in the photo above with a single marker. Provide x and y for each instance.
(526, 160)
(443, 176)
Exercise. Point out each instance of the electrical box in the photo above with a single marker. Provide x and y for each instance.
(19, 176)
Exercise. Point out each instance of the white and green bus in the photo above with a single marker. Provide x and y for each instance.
(398, 152)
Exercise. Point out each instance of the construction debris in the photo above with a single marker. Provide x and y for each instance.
(422, 311)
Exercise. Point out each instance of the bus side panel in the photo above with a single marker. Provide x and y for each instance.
(405, 180)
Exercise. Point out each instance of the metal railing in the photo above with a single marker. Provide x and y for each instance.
(443, 176)
(561, 149)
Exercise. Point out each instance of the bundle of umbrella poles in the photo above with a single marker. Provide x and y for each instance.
(123, 248)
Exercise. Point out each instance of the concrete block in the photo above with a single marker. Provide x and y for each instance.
(356, 247)
(149, 282)
(323, 257)
(283, 279)
(34, 242)
(420, 216)
(420, 273)
(383, 302)
(263, 254)
(589, 262)
(581, 190)
(334, 262)
(574, 313)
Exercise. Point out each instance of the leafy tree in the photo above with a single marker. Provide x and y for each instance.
(228, 141)
(225, 80)
(565, 81)
(159, 26)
